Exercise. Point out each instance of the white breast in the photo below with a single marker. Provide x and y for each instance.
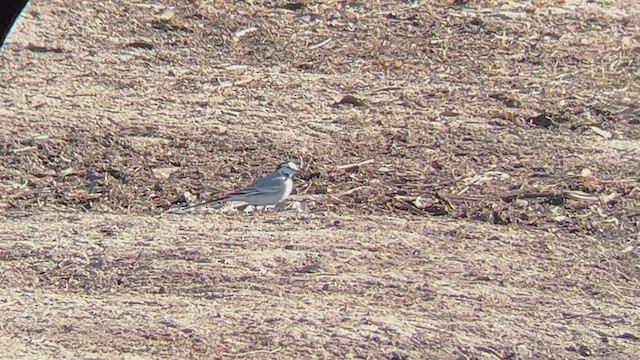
(288, 188)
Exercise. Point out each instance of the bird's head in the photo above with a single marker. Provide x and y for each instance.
(288, 168)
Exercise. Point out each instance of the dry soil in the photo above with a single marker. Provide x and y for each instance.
(470, 185)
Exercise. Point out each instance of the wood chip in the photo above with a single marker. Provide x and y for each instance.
(240, 33)
(167, 14)
(605, 134)
(165, 172)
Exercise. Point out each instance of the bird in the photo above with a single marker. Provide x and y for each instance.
(268, 190)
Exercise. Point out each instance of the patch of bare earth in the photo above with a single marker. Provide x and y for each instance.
(491, 209)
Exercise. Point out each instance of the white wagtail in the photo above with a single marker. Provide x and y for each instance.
(268, 190)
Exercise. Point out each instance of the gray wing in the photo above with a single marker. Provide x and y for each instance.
(269, 184)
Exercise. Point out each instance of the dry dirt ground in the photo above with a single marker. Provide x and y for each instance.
(490, 210)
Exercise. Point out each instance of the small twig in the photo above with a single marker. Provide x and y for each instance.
(349, 192)
(44, 49)
(579, 195)
(351, 166)
(28, 148)
(320, 44)
(229, 112)
(306, 190)
(550, 196)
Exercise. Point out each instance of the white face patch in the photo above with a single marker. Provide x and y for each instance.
(288, 168)
(289, 165)
(293, 166)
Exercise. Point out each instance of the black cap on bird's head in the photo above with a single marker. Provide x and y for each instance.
(288, 168)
